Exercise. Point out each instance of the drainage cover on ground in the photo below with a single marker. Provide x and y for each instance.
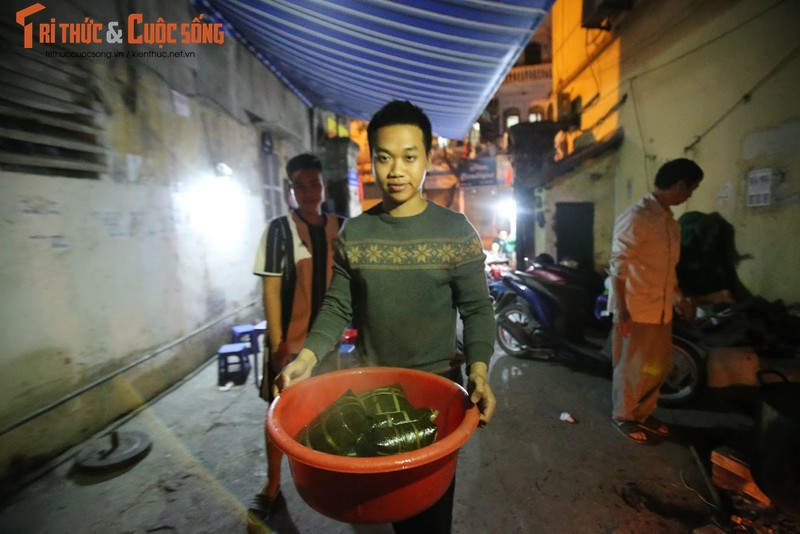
(115, 451)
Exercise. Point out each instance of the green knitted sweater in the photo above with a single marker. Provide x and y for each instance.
(401, 280)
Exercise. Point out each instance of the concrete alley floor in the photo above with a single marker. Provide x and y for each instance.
(526, 472)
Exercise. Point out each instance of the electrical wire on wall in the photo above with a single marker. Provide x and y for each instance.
(117, 372)
(708, 42)
(640, 130)
(745, 98)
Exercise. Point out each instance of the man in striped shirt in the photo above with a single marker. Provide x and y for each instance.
(295, 261)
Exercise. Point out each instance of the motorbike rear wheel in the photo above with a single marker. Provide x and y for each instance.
(687, 377)
(520, 315)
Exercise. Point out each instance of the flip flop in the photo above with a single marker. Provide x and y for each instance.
(630, 429)
(263, 506)
(654, 426)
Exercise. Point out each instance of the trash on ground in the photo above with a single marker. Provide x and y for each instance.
(565, 416)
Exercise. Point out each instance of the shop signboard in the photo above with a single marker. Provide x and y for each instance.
(479, 171)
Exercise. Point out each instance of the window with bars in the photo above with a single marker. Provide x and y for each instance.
(535, 114)
(50, 116)
(510, 117)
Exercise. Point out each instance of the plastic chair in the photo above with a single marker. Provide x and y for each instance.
(246, 333)
(233, 363)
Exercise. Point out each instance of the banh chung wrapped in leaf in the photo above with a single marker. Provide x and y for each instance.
(402, 432)
(338, 429)
(386, 399)
(378, 422)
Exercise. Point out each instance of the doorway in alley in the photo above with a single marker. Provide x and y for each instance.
(574, 228)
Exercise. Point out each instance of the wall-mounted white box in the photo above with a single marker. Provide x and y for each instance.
(760, 187)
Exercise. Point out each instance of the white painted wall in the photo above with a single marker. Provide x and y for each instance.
(96, 275)
(714, 81)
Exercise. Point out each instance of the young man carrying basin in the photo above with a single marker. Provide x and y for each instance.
(402, 272)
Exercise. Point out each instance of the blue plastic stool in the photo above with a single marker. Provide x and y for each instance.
(260, 335)
(246, 333)
(233, 363)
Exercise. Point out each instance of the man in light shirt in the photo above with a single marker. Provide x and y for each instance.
(644, 289)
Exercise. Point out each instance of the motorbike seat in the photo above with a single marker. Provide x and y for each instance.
(553, 285)
(537, 283)
(573, 303)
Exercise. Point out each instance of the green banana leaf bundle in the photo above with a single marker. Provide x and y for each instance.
(398, 432)
(378, 422)
(339, 429)
(383, 400)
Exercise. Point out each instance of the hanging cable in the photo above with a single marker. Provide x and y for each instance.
(55, 404)
(745, 98)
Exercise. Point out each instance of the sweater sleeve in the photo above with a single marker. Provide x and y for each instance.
(471, 296)
(336, 310)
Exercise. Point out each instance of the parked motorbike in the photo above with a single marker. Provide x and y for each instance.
(551, 314)
(495, 267)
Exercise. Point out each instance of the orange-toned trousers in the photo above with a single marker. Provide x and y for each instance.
(642, 362)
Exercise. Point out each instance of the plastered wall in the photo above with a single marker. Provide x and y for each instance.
(593, 184)
(147, 267)
(714, 81)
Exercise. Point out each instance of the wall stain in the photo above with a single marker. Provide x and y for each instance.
(56, 241)
(111, 221)
(39, 206)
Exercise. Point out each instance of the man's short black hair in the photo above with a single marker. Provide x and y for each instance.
(678, 170)
(302, 162)
(399, 112)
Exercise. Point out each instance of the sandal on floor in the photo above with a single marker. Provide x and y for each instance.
(263, 506)
(630, 429)
(654, 426)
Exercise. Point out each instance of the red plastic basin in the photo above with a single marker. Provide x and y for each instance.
(378, 489)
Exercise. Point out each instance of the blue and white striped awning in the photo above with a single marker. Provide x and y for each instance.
(353, 56)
